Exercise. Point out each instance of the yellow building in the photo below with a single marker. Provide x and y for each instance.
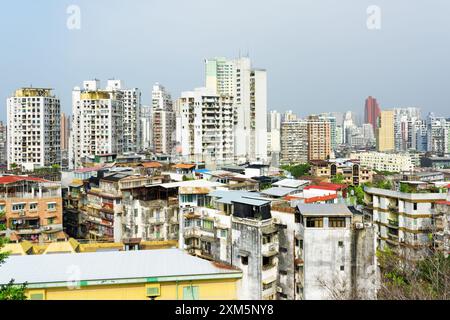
(168, 274)
(385, 132)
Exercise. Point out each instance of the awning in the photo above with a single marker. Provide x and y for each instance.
(270, 229)
(269, 280)
(244, 253)
(269, 253)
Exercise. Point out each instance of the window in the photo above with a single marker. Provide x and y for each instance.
(334, 222)
(244, 260)
(190, 293)
(314, 222)
(283, 295)
(415, 205)
(51, 206)
(266, 239)
(223, 233)
(284, 250)
(208, 225)
(340, 244)
(33, 206)
(18, 206)
(50, 220)
(342, 268)
(283, 272)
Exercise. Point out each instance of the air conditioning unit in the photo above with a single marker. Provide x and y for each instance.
(276, 220)
(402, 240)
(279, 289)
(47, 228)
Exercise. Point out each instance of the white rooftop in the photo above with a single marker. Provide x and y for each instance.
(45, 268)
(290, 183)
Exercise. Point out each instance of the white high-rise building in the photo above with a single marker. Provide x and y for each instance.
(248, 88)
(273, 132)
(146, 127)
(163, 120)
(404, 119)
(33, 129)
(131, 99)
(206, 127)
(97, 122)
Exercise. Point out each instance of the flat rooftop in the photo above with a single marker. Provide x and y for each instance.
(325, 209)
(111, 265)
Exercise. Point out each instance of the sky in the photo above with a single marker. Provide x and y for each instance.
(320, 56)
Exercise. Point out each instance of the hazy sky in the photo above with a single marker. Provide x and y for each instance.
(319, 54)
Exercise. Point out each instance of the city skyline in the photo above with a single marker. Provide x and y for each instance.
(416, 76)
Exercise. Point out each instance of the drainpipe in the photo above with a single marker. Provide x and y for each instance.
(177, 288)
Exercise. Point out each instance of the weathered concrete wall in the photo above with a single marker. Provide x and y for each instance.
(364, 266)
(324, 258)
(247, 239)
(286, 229)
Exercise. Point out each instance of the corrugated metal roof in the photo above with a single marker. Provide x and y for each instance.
(278, 191)
(239, 196)
(324, 209)
(35, 269)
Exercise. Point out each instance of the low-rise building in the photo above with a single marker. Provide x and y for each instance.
(30, 207)
(404, 219)
(393, 162)
(122, 275)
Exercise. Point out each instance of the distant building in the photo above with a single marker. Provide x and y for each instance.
(207, 127)
(97, 122)
(393, 162)
(3, 144)
(319, 138)
(33, 128)
(385, 132)
(372, 112)
(146, 128)
(294, 142)
(162, 121)
(247, 87)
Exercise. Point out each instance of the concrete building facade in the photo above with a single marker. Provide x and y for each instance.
(33, 117)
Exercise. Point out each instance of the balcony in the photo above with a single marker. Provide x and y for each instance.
(393, 207)
(393, 223)
(269, 249)
(392, 236)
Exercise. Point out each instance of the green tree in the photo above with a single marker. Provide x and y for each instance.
(297, 170)
(10, 291)
(339, 178)
(406, 279)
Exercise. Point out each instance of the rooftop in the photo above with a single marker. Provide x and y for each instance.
(324, 209)
(109, 265)
(13, 179)
(278, 191)
(290, 183)
(239, 196)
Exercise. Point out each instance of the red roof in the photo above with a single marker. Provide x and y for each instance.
(321, 198)
(443, 202)
(152, 164)
(12, 179)
(183, 166)
(327, 186)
